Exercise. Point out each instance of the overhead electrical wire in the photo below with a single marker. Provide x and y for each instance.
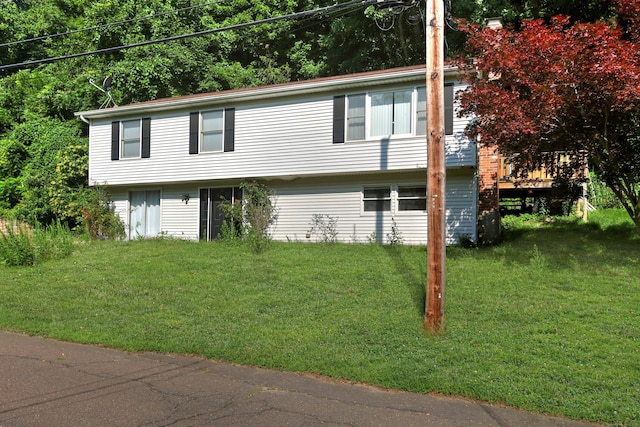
(352, 4)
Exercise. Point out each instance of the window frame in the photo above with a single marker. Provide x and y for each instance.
(124, 140)
(117, 139)
(400, 198)
(394, 199)
(220, 131)
(227, 132)
(376, 187)
(343, 118)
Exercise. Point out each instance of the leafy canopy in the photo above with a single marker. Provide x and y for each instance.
(561, 87)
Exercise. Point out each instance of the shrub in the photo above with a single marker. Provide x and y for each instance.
(99, 218)
(251, 219)
(600, 195)
(52, 242)
(16, 247)
(395, 237)
(324, 227)
(23, 246)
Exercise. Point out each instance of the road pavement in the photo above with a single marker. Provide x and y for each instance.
(52, 383)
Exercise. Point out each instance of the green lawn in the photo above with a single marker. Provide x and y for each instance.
(547, 321)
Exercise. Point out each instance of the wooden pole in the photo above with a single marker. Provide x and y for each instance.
(436, 175)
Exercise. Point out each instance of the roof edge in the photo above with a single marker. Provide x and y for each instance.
(323, 84)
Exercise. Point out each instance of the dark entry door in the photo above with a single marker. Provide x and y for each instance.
(211, 216)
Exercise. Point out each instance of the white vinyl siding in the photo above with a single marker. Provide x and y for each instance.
(286, 140)
(297, 202)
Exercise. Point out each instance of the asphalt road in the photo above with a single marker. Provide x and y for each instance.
(51, 383)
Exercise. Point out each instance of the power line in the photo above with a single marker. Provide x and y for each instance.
(296, 15)
(82, 30)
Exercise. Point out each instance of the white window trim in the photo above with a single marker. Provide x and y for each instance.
(409, 212)
(201, 150)
(122, 156)
(391, 188)
(368, 94)
(394, 199)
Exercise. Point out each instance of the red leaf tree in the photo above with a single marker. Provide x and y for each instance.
(561, 87)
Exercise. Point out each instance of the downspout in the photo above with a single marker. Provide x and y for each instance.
(84, 119)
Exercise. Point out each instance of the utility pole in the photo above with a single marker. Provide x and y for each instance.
(436, 174)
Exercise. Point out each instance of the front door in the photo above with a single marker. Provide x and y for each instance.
(211, 216)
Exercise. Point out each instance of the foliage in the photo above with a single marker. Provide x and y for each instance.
(560, 87)
(514, 12)
(545, 321)
(252, 218)
(324, 227)
(395, 237)
(16, 247)
(10, 192)
(25, 246)
(52, 242)
(53, 178)
(599, 195)
(46, 96)
(99, 218)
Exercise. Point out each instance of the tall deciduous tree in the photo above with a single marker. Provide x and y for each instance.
(561, 87)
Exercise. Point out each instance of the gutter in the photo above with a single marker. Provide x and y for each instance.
(322, 85)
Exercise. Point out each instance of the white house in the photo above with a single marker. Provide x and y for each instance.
(352, 147)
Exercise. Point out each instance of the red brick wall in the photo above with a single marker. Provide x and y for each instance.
(488, 164)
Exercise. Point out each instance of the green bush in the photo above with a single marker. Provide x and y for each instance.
(600, 195)
(52, 242)
(16, 247)
(251, 219)
(26, 247)
(98, 216)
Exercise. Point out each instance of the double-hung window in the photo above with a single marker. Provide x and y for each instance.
(412, 198)
(356, 117)
(376, 199)
(421, 111)
(212, 131)
(130, 139)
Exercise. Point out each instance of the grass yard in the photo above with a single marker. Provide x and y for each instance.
(548, 321)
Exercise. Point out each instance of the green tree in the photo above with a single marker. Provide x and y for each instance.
(561, 87)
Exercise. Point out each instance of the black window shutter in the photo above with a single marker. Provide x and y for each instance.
(146, 138)
(229, 128)
(115, 140)
(338, 119)
(448, 109)
(194, 131)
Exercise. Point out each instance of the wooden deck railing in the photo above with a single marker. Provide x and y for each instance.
(540, 178)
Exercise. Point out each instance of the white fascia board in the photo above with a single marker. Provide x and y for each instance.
(330, 84)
